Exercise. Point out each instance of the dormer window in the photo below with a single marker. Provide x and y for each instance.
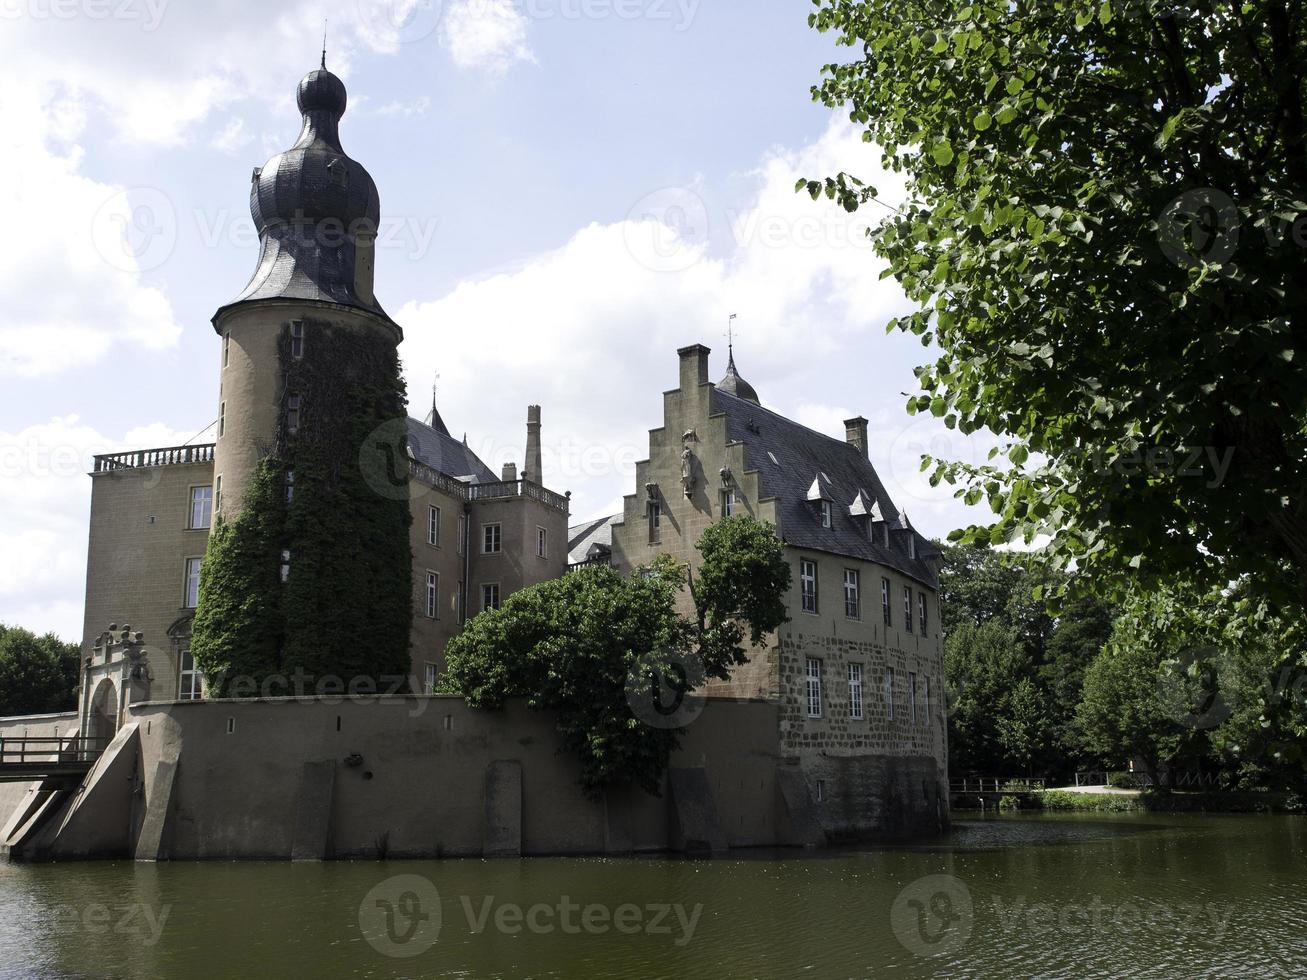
(826, 514)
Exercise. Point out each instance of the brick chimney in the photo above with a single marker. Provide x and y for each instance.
(531, 468)
(509, 474)
(855, 434)
(694, 367)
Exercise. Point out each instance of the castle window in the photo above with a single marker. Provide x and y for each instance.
(192, 595)
(912, 545)
(430, 687)
(728, 503)
(433, 526)
(812, 675)
(290, 485)
(489, 597)
(655, 522)
(297, 339)
(808, 584)
(217, 494)
(921, 611)
(912, 695)
(925, 680)
(222, 419)
(884, 602)
(191, 682)
(201, 507)
(542, 543)
(226, 349)
(462, 533)
(889, 693)
(292, 414)
(855, 691)
(825, 514)
(907, 608)
(852, 594)
(491, 539)
(285, 564)
(433, 595)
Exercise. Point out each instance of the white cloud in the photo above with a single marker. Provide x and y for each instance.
(486, 34)
(413, 107)
(233, 136)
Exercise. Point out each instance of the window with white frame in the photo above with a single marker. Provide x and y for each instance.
(430, 687)
(912, 696)
(889, 693)
(728, 503)
(217, 494)
(826, 514)
(226, 348)
(855, 691)
(808, 584)
(884, 602)
(201, 507)
(222, 419)
(190, 686)
(907, 608)
(293, 414)
(542, 542)
(433, 526)
(489, 597)
(812, 674)
(852, 593)
(297, 339)
(192, 582)
(921, 612)
(433, 595)
(492, 541)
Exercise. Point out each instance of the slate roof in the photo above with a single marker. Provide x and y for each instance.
(581, 538)
(804, 456)
(445, 454)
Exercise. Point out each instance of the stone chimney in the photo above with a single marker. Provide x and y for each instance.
(509, 474)
(855, 434)
(694, 367)
(531, 468)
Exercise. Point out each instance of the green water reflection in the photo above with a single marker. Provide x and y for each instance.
(1138, 896)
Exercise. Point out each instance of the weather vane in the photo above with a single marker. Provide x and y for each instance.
(730, 331)
(324, 44)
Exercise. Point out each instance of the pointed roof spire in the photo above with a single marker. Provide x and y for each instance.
(433, 418)
(732, 383)
(324, 44)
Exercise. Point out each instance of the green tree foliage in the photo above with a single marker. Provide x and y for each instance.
(344, 613)
(575, 646)
(37, 673)
(1099, 234)
(983, 666)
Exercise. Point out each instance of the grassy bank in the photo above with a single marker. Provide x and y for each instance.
(1163, 802)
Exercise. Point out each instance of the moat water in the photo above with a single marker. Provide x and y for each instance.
(1011, 896)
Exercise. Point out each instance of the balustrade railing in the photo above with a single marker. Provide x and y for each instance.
(171, 456)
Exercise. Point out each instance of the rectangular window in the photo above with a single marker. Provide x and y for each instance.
(907, 608)
(290, 485)
(889, 693)
(813, 676)
(912, 696)
(912, 545)
(542, 543)
(884, 601)
(192, 582)
(808, 584)
(925, 692)
(285, 564)
(728, 503)
(655, 522)
(201, 507)
(921, 611)
(855, 691)
(217, 494)
(825, 513)
(491, 539)
(222, 419)
(191, 683)
(462, 532)
(433, 595)
(226, 349)
(293, 414)
(489, 597)
(430, 687)
(297, 339)
(433, 526)
(852, 594)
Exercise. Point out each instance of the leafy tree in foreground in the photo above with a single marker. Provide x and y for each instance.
(1103, 233)
(37, 673)
(575, 646)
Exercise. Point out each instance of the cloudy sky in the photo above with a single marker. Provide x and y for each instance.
(570, 190)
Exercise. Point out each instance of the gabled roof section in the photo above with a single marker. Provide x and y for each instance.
(820, 490)
(586, 541)
(445, 454)
(865, 506)
(787, 455)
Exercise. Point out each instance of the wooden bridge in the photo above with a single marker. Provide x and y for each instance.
(966, 791)
(24, 759)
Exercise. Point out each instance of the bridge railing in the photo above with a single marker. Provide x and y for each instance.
(995, 784)
(27, 750)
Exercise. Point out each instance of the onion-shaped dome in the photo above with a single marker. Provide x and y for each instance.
(316, 211)
(735, 385)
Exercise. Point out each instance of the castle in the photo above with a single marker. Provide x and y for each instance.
(839, 718)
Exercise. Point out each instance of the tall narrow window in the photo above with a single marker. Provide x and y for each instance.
(884, 601)
(808, 584)
(491, 539)
(433, 526)
(855, 691)
(191, 683)
(433, 595)
(226, 348)
(813, 676)
(285, 564)
(293, 414)
(290, 485)
(222, 419)
(462, 532)
(297, 339)
(728, 503)
(542, 543)
(921, 611)
(852, 594)
(912, 696)
(192, 595)
(430, 687)
(201, 507)
(889, 693)
(489, 597)
(825, 513)
(217, 494)
(907, 608)
(655, 522)
(925, 695)
(912, 545)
